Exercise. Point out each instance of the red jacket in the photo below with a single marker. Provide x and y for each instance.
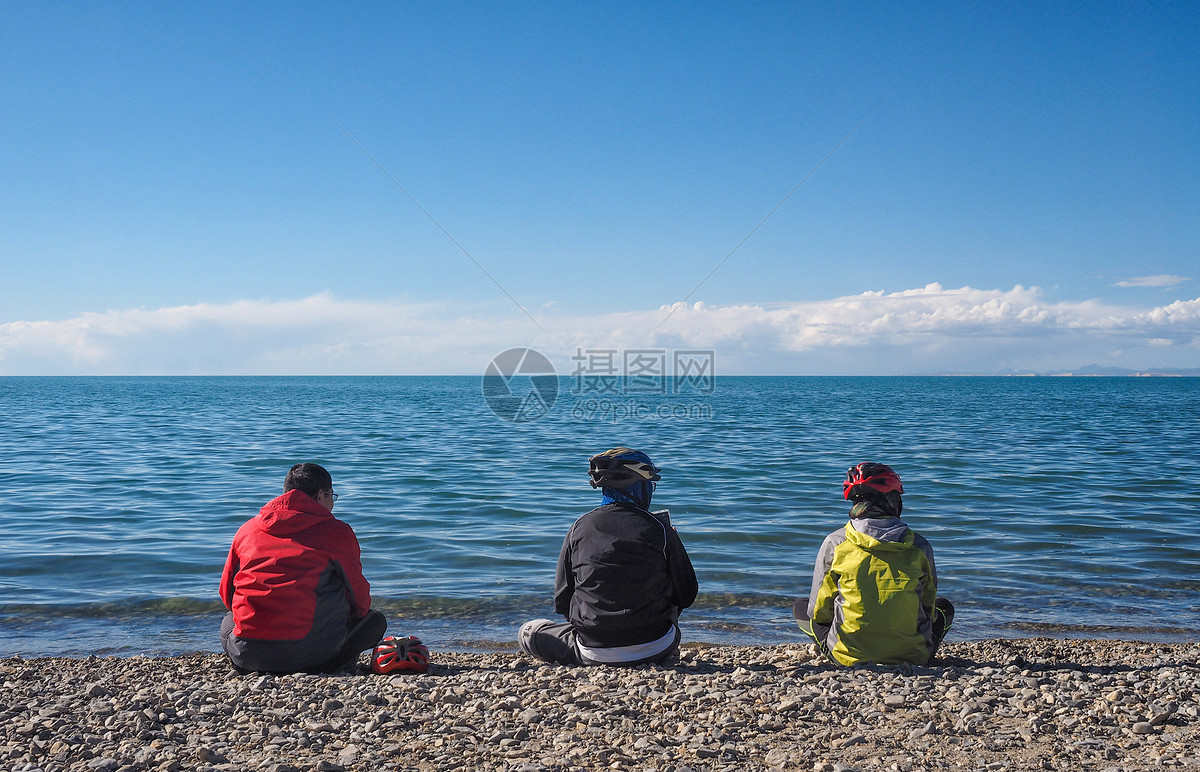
(278, 561)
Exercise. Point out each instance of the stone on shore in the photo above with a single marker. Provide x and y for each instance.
(1011, 704)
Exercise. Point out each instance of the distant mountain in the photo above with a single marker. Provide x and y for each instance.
(1095, 371)
(1125, 371)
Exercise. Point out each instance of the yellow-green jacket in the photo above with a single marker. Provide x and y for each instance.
(874, 587)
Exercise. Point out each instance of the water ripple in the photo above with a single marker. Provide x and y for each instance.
(1067, 502)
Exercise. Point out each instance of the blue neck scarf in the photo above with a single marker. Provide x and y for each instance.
(637, 494)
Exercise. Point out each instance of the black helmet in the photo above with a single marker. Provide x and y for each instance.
(621, 468)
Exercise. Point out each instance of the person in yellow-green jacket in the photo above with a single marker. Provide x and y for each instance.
(874, 593)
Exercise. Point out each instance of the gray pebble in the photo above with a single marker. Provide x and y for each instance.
(988, 705)
(776, 758)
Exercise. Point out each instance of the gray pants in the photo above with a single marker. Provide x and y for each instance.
(943, 617)
(558, 644)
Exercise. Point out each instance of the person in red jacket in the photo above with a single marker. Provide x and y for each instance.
(294, 587)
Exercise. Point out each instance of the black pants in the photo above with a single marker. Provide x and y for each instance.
(362, 635)
(304, 656)
(558, 644)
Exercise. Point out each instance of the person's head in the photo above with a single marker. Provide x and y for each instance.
(313, 480)
(624, 475)
(876, 484)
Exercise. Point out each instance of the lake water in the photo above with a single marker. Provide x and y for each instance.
(1055, 506)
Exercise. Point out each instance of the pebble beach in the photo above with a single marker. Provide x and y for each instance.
(986, 705)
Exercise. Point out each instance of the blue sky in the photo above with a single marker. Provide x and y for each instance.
(1015, 186)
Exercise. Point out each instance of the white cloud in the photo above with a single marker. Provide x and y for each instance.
(929, 329)
(1158, 280)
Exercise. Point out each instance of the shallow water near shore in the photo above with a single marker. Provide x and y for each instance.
(1056, 506)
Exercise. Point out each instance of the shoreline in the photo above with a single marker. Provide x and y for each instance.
(1010, 703)
(34, 635)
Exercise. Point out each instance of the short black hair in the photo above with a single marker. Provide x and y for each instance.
(308, 478)
(891, 503)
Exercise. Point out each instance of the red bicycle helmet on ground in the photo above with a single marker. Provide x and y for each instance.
(868, 479)
(400, 655)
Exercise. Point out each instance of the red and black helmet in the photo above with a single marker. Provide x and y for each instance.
(869, 480)
(400, 655)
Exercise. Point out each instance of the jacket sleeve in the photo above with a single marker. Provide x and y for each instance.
(350, 557)
(232, 565)
(930, 583)
(684, 587)
(822, 602)
(824, 587)
(564, 578)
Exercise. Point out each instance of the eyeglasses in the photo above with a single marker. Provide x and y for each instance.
(332, 496)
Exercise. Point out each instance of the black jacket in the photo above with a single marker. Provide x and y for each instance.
(623, 577)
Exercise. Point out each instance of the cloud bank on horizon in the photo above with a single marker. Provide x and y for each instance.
(923, 330)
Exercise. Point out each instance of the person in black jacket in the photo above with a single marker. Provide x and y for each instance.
(623, 575)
